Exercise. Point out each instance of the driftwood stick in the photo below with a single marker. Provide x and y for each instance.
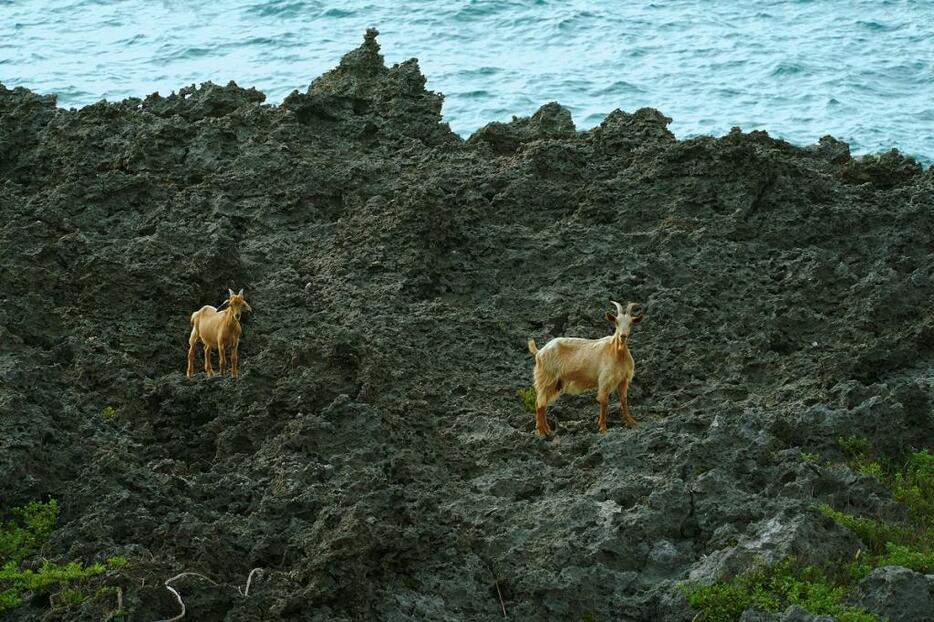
(249, 579)
(178, 596)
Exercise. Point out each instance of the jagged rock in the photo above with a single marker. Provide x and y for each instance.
(210, 101)
(621, 131)
(359, 73)
(371, 103)
(833, 150)
(550, 121)
(886, 170)
(809, 538)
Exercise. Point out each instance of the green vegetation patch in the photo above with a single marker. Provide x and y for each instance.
(774, 588)
(908, 543)
(21, 539)
(528, 398)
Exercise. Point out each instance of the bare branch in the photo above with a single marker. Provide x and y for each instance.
(496, 582)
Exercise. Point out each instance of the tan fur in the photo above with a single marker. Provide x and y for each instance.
(572, 365)
(217, 329)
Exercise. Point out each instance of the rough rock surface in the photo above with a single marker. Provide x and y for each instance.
(791, 614)
(373, 458)
(899, 594)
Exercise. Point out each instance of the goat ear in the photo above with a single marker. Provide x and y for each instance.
(610, 318)
(637, 318)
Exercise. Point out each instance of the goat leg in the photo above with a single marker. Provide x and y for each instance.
(541, 421)
(604, 400)
(221, 357)
(623, 390)
(191, 360)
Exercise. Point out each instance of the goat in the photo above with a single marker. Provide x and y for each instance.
(220, 329)
(577, 365)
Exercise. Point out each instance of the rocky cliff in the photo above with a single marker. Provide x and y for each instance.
(374, 458)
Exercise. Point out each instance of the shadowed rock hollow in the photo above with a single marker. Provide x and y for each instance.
(374, 458)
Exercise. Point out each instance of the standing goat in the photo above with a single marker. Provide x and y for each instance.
(576, 365)
(220, 329)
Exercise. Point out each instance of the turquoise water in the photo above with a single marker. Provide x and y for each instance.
(862, 70)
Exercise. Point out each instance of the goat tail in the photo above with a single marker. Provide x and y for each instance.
(533, 349)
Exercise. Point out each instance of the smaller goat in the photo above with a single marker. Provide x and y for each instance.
(217, 329)
(577, 365)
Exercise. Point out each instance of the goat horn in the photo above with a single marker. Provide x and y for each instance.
(619, 308)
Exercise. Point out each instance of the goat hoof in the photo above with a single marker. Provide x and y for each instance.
(603, 429)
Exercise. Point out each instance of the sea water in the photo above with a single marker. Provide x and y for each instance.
(862, 70)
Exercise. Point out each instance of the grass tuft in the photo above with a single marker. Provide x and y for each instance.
(774, 588)
(528, 397)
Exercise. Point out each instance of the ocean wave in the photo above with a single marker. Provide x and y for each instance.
(280, 8)
(802, 71)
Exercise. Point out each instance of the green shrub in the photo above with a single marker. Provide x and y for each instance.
(69, 597)
(51, 578)
(895, 555)
(913, 485)
(21, 540)
(901, 555)
(874, 533)
(892, 543)
(528, 398)
(853, 446)
(108, 413)
(18, 541)
(10, 598)
(774, 588)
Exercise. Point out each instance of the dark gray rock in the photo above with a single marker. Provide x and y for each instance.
(550, 121)
(885, 170)
(898, 594)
